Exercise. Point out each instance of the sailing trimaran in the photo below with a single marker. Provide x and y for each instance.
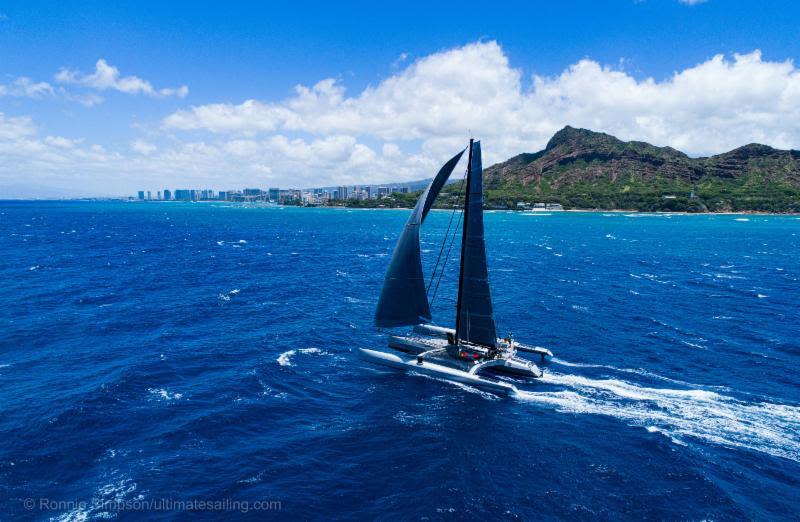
(466, 352)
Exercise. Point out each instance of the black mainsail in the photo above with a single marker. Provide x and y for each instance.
(475, 314)
(404, 300)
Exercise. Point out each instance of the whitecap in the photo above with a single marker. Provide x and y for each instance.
(741, 219)
(34, 267)
(164, 394)
(285, 359)
(108, 495)
(694, 345)
(761, 296)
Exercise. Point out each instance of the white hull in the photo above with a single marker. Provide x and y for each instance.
(437, 370)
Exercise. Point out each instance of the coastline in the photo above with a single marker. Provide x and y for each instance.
(344, 207)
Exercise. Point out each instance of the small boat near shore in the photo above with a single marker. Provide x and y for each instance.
(470, 353)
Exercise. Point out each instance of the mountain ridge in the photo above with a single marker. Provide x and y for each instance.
(581, 168)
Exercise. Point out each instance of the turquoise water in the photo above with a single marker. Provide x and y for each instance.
(193, 351)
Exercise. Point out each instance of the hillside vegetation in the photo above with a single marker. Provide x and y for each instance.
(582, 169)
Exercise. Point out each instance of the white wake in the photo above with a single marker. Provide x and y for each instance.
(707, 415)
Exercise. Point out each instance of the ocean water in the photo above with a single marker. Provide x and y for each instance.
(186, 352)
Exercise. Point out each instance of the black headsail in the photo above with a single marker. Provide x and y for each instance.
(475, 315)
(404, 300)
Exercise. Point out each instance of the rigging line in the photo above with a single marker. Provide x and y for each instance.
(447, 257)
(444, 241)
(452, 242)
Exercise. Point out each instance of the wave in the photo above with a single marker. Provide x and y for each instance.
(679, 413)
(163, 394)
(103, 502)
(638, 371)
(227, 297)
(465, 387)
(285, 359)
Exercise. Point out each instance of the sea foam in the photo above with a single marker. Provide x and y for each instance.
(678, 413)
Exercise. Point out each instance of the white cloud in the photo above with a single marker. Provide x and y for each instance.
(143, 147)
(15, 128)
(405, 126)
(711, 107)
(23, 87)
(107, 77)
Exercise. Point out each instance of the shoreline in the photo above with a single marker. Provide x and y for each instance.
(343, 207)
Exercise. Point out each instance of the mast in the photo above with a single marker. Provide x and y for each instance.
(463, 246)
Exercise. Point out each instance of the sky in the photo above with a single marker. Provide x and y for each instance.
(104, 99)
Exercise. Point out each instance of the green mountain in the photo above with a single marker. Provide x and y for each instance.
(583, 169)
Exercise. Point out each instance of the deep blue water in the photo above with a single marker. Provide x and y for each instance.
(192, 351)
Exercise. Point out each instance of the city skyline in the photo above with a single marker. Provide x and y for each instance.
(315, 196)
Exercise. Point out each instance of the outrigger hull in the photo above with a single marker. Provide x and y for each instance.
(437, 370)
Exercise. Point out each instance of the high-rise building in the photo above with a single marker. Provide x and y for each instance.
(167, 195)
(141, 195)
(149, 196)
(344, 192)
(403, 190)
(183, 195)
(158, 195)
(274, 194)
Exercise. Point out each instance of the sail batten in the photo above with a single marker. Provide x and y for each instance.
(475, 321)
(404, 300)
